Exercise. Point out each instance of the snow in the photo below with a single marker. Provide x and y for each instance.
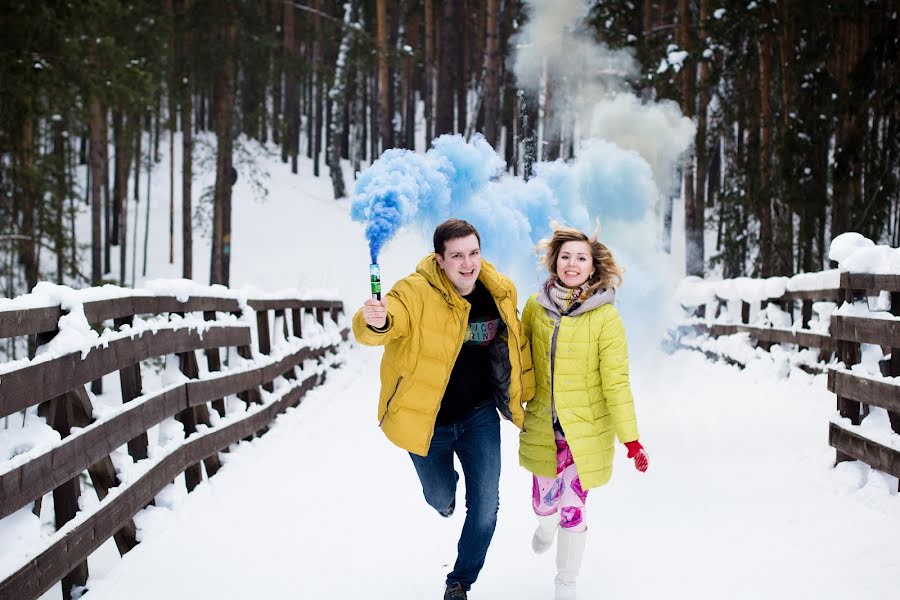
(858, 254)
(719, 13)
(676, 58)
(846, 243)
(736, 504)
(693, 291)
(741, 500)
(861, 309)
(880, 260)
(829, 279)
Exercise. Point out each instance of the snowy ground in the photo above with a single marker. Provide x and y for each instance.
(741, 500)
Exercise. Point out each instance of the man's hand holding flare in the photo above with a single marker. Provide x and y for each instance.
(375, 313)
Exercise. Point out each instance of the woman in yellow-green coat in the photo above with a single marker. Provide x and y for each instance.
(583, 399)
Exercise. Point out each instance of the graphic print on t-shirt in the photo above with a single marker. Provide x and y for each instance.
(481, 332)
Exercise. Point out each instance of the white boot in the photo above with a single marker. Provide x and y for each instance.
(543, 535)
(569, 551)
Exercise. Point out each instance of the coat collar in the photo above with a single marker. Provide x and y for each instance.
(598, 299)
(429, 268)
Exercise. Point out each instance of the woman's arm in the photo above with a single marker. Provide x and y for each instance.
(614, 375)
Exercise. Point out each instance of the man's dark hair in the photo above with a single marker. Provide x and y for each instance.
(452, 229)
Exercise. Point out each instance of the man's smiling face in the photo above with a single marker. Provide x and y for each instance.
(461, 262)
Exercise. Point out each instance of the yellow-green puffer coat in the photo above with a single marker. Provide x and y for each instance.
(426, 325)
(581, 370)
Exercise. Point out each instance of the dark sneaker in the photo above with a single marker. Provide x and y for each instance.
(455, 591)
(450, 509)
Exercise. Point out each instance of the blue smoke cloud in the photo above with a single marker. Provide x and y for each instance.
(464, 180)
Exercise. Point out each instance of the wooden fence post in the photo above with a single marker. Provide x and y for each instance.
(33, 344)
(848, 353)
(188, 364)
(895, 361)
(103, 472)
(297, 321)
(214, 364)
(806, 313)
(335, 311)
(131, 385)
(320, 315)
(264, 340)
(97, 384)
(59, 415)
(282, 314)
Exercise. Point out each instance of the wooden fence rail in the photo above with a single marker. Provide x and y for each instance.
(855, 393)
(57, 387)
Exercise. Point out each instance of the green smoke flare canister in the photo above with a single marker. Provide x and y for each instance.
(375, 279)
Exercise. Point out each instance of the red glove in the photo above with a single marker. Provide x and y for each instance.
(636, 451)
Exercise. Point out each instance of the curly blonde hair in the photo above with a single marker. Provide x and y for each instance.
(607, 272)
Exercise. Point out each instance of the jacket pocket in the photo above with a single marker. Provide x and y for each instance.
(389, 400)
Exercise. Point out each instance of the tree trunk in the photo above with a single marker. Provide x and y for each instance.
(357, 135)
(277, 9)
(700, 144)
(187, 163)
(764, 199)
(104, 179)
(320, 83)
(386, 130)
(291, 141)
(28, 205)
(548, 145)
(224, 114)
(121, 134)
(528, 113)
(429, 72)
(492, 83)
(694, 251)
(446, 73)
(60, 163)
(337, 96)
(409, 96)
(845, 57)
(96, 192)
(462, 66)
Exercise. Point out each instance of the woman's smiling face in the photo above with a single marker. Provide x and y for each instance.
(574, 265)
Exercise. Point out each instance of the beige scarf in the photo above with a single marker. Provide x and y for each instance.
(565, 298)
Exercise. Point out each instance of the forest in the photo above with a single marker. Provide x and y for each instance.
(795, 105)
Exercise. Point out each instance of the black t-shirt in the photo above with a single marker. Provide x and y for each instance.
(470, 383)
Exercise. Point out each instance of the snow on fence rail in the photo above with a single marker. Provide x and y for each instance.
(284, 347)
(867, 318)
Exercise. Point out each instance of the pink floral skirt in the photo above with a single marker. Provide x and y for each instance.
(562, 493)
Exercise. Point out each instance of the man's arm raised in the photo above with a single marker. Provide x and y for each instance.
(379, 322)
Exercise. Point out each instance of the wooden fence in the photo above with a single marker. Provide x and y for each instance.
(57, 388)
(855, 393)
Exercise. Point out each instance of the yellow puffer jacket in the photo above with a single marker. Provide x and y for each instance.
(581, 368)
(427, 322)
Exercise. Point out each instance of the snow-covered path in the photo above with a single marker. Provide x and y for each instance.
(740, 502)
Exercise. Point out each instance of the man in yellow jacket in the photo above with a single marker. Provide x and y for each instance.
(454, 355)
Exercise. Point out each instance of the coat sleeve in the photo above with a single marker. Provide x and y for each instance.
(401, 302)
(614, 376)
(527, 315)
(528, 376)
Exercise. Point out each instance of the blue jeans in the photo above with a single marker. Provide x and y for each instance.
(476, 441)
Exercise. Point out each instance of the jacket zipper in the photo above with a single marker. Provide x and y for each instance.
(389, 400)
(553, 339)
(462, 337)
(515, 335)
